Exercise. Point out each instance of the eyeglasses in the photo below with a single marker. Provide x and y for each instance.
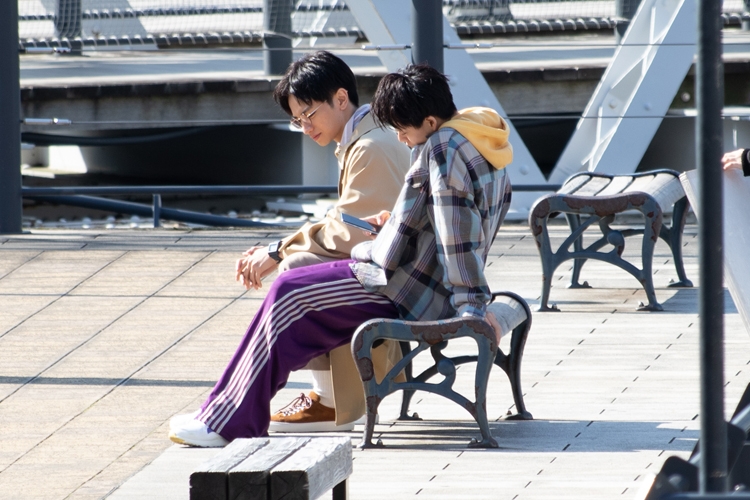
(304, 118)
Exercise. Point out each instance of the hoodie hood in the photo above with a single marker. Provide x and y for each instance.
(486, 130)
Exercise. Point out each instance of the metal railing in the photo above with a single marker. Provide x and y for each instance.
(87, 197)
(90, 197)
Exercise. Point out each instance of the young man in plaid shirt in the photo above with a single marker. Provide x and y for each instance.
(426, 263)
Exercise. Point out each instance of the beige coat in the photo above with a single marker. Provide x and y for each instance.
(372, 166)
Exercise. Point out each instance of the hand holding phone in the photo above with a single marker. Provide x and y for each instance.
(359, 223)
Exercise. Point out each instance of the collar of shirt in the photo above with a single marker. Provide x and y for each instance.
(353, 122)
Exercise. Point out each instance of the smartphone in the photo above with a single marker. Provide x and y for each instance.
(353, 221)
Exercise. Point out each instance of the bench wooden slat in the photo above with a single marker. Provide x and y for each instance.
(666, 190)
(508, 312)
(592, 187)
(248, 480)
(639, 184)
(617, 186)
(573, 183)
(209, 480)
(313, 470)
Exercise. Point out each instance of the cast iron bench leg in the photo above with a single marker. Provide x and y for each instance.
(549, 263)
(652, 228)
(679, 215)
(407, 393)
(574, 222)
(511, 364)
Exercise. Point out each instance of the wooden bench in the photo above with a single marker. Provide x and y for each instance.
(275, 468)
(598, 198)
(513, 314)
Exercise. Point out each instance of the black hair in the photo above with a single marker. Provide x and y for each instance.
(407, 97)
(315, 77)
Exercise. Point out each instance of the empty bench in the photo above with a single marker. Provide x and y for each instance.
(599, 198)
(514, 316)
(289, 468)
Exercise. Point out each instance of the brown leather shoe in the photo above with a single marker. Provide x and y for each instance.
(306, 414)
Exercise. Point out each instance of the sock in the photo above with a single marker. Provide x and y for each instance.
(323, 386)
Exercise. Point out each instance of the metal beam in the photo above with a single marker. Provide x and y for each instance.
(427, 33)
(10, 112)
(709, 148)
(277, 36)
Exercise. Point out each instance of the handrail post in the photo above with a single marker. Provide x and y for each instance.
(10, 125)
(427, 33)
(709, 149)
(157, 210)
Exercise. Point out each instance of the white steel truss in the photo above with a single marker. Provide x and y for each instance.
(635, 91)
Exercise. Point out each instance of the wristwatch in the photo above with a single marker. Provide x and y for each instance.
(273, 251)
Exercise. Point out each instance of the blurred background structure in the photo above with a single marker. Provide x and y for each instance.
(166, 23)
(144, 92)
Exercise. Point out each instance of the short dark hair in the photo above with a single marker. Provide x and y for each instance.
(407, 97)
(315, 77)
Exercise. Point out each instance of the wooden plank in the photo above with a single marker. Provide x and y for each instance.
(209, 481)
(592, 187)
(573, 184)
(249, 479)
(639, 184)
(617, 186)
(313, 470)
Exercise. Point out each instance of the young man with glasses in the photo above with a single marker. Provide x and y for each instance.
(319, 93)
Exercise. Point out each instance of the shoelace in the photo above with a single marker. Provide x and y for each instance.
(297, 405)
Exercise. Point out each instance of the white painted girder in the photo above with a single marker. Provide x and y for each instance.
(635, 92)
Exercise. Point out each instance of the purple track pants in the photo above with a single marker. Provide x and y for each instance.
(308, 311)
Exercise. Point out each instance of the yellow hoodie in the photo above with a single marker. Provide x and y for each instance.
(486, 131)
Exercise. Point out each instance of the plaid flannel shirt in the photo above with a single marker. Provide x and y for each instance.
(429, 257)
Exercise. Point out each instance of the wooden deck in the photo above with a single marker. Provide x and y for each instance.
(104, 336)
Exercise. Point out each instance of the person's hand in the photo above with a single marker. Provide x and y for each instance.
(492, 320)
(254, 265)
(379, 219)
(733, 159)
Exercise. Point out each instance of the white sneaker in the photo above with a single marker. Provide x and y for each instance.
(178, 420)
(196, 433)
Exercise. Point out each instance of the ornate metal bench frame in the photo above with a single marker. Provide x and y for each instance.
(602, 210)
(434, 335)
